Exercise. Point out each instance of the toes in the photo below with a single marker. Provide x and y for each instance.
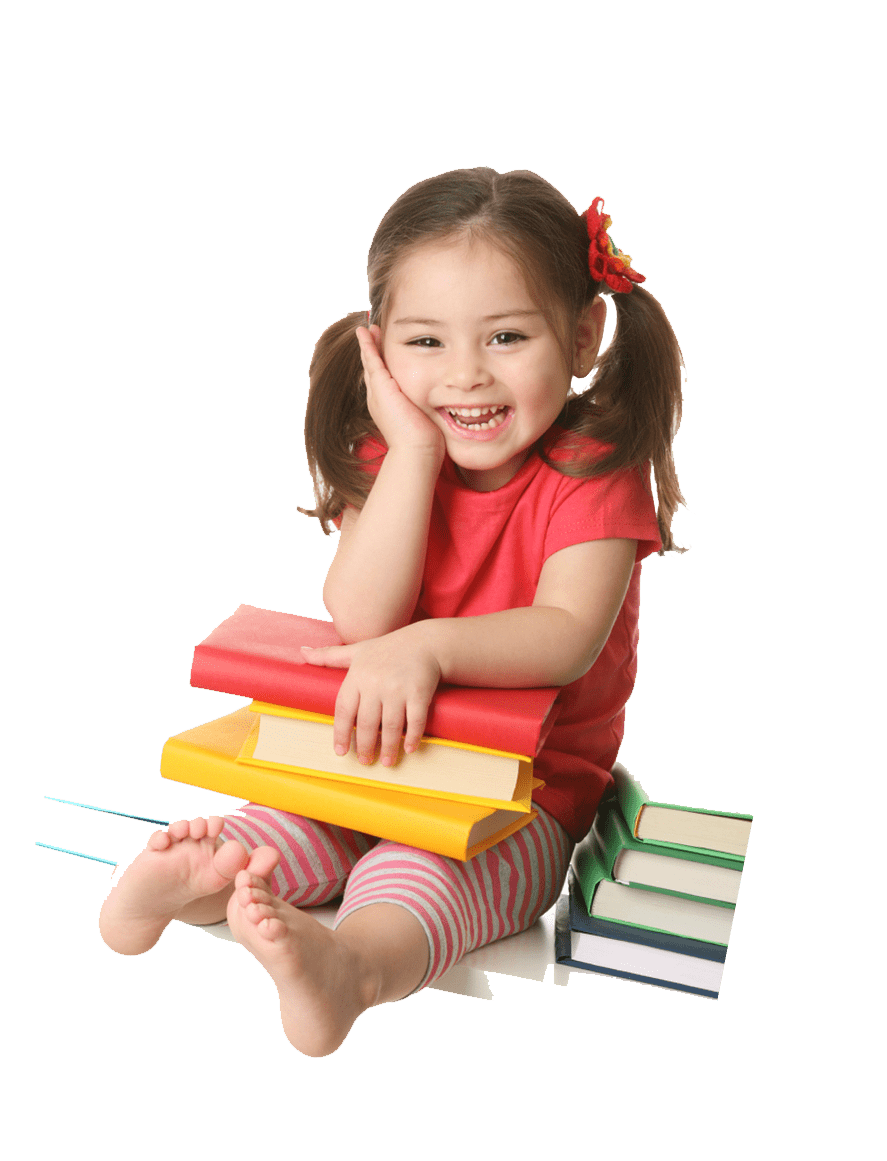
(254, 893)
(256, 912)
(271, 928)
(250, 888)
(265, 922)
(262, 861)
(159, 841)
(246, 878)
(197, 828)
(230, 858)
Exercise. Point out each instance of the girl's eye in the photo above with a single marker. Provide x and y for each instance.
(506, 338)
(425, 341)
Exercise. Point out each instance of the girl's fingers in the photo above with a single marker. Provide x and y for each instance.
(369, 337)
(332, 656)
(417, 715)
(379, 384)
(366, 733)
(370, 354)
(345, 715)
(392, 732)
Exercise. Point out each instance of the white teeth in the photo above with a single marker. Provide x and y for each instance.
(474, 412)
(471, 411)
(496, 415)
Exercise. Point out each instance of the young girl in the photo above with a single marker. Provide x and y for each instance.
(491, 527)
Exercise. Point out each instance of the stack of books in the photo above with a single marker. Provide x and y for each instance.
(468, 785)
(652, 891)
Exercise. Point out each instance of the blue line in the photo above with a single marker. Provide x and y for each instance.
(79, 855)
(103, 810)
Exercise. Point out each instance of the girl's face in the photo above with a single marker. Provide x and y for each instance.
(466, 344)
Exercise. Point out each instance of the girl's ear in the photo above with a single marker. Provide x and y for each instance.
(589, 333)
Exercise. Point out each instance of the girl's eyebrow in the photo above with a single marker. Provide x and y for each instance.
(433, 322)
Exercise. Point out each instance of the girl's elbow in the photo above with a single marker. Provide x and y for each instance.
(352, 629)
(569, 645)
(352, 626)
(577, 665)
(348, 628)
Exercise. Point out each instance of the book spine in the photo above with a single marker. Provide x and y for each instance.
(631, 797)
(609, 837)
(588, 867)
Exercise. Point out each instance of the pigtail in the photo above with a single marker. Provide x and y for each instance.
(634, 401)
(336, 419)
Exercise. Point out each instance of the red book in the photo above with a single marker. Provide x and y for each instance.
(256, 653)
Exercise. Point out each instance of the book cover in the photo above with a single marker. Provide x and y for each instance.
(256, 653)
(206, 756)
(632, 953)
(438, 769)
(667, 824)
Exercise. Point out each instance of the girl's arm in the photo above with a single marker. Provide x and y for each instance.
(373, 584)
(391, 680)
(554, 641)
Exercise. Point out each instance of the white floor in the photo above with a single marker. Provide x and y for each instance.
(527, 956)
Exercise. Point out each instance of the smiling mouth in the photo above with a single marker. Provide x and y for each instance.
(477, 418)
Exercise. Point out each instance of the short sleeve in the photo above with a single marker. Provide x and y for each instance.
(617, 505)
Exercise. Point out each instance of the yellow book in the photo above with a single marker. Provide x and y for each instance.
(302, 742)
(206, 756)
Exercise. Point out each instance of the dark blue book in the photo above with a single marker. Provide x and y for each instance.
(634, 953)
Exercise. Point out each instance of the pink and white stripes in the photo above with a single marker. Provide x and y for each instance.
(461, 905)
(316, 858)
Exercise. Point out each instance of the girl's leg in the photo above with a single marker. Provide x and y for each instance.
(462, 905)
(407, 916)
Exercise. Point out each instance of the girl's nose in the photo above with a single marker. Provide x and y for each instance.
(468, 371)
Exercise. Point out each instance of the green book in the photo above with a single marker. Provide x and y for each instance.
(654, 910)
(664, 824)
(678, 870)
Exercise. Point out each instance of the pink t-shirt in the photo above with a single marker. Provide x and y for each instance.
(485, 554)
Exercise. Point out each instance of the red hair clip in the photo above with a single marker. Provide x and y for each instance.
(605, 262)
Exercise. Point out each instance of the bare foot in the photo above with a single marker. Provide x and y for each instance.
(320, 979)
(177, 867)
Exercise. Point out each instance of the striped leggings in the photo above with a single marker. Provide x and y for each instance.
(461, 905)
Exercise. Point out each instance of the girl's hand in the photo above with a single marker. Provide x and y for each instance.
(388, 688)
(400, 421)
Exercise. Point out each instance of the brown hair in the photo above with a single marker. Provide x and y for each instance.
(634, 400)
